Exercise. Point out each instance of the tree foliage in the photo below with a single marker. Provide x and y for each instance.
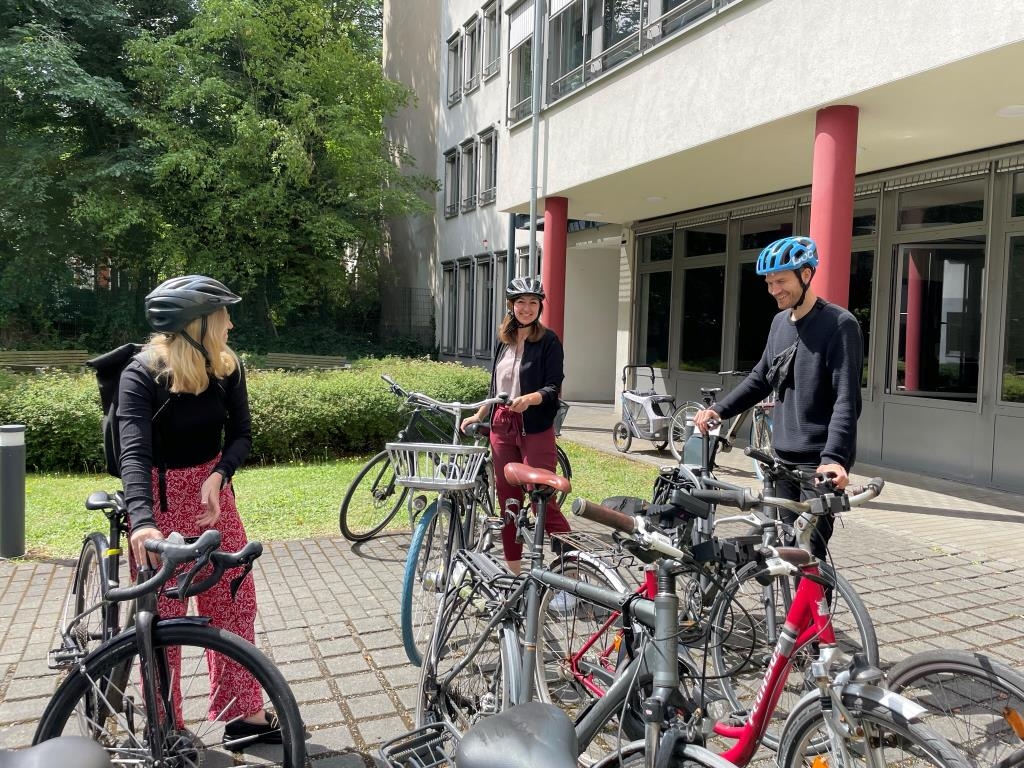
(238, 138)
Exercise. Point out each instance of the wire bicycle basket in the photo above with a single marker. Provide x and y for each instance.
(435, 466)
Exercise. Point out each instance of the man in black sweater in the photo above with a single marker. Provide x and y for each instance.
(813, 362)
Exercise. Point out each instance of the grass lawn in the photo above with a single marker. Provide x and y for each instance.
(285, 501)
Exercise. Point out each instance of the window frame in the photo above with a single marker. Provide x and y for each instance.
(455, 68)
(468, 184)
(471, 55)
(490, 17)
(452, 178)
(487, 163)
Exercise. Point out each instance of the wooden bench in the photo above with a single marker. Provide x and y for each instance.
(285, 360)
(43, 358)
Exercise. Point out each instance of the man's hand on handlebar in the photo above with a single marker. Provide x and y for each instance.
(836, 473)
(706, 420)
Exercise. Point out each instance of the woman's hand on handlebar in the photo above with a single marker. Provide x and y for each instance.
(474, 419)
(138, 543)
(706, 420)
(836, 473)
(521, 403)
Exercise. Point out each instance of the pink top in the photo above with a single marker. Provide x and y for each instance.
(506, 371)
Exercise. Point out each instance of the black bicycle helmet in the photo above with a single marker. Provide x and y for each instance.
(176, 302)
(524, 286)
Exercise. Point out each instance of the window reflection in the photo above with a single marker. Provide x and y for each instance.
(756, 310)
(700, 347)
(862, 265)
(656, 301)
(940, 321)
(1013, 355)
(938, 206)
(1017, 207)
(706, 240)
(657, 247)
(762, 231)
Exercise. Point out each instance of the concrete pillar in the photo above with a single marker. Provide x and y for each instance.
(556, 222)
(832, 184)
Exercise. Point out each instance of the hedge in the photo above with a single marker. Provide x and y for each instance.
(296, 415)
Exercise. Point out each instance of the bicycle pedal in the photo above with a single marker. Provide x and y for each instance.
(63, 658)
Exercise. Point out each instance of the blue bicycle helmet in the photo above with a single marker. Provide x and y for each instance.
(790, 253)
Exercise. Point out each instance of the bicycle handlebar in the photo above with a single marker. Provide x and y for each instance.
(630, 525)
(455, 407)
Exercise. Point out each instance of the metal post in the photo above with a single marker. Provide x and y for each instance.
(12, 490)
(538, 86)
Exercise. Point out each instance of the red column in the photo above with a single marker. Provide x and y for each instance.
(552, 272)
(912, 344)
(832, 183)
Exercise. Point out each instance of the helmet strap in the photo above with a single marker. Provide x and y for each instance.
(201, 349)
(803, 286)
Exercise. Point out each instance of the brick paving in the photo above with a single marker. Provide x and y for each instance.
(936, 562)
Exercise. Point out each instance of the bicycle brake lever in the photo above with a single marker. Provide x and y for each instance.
(236, 582)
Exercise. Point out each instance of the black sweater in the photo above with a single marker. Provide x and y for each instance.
(815, 418)
(540, 370)
(189, 432)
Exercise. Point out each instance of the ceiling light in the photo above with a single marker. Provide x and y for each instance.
(1011, 110)
(655, 199)
(593, 215)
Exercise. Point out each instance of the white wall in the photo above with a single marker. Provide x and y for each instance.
(591, 309)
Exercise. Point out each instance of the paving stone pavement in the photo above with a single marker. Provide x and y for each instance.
(936, 562)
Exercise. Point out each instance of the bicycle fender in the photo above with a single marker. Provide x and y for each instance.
(854, 693)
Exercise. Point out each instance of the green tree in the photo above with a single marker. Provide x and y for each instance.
(69, 152)
(268, 159)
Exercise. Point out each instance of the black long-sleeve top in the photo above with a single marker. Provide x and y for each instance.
(540, 370)
(815, 417)
(191, 430)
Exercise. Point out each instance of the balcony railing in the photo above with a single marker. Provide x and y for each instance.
(487, 196)
(468, 203)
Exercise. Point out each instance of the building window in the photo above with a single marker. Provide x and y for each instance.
(756, 308)
(454, 69)
(941, 307)
(614, 27)
(938, 206)
(491, 40)
(678, 14)
(862, 268)
(464, 316)
(654, 248)
(1017, 196)
(488, 166)
(706, 240)
(471, 54)
(1013, 334)
(483, 320)
(451, 183)
(865, 216)
(469, 175)
(520, 62)
(448, 304)
(700, 346)
(761, 231)
(565, 51)
(655, 309)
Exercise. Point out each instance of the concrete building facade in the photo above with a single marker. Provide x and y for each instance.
(676, 138)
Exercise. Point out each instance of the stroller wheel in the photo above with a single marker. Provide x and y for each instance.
(621, 437)
(660, 446)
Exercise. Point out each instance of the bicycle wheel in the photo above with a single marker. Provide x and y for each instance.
(888, 739)
(761, 437)
(371, 501)
(564, 469)
(87, 704)
(481, 688)
(681, 428)
(438, 534)
(975, 702)
(742, 639)
(87, 592)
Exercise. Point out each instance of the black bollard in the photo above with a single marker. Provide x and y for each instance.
(12, 490)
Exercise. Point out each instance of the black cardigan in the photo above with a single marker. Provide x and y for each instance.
(540, 370)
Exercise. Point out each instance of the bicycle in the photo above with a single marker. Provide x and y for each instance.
(496, 670)
(759, 433)
(973, 700)
(136, 693)
(373, 498)
(741, 615)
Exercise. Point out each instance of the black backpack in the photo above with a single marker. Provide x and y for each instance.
(108, 367)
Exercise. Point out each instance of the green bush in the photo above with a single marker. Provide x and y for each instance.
(296, 415)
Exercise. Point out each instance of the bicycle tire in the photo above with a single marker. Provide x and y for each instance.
(482, 688)
(805, 739)
(86, 592)
(741, 652)
(438, 534)
(563, 468)
(973, 701)
(371, 501)
(123, 728)
(681, 427)
(761, 438)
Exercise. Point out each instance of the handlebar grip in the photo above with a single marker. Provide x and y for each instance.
(604, 515)
(759, 455)
(388, 379)
(478, 429)
(738, 498)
